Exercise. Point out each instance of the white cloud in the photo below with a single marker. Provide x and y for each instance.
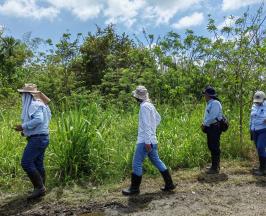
(164, 10)
(27, 8)
(188, 21)
(127, 12)
(236, 4)
(124, 11)
(228, 22)
(83, 9)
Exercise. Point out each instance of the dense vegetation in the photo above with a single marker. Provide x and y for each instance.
(90, 79)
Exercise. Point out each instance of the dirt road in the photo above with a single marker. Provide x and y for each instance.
(233, 192)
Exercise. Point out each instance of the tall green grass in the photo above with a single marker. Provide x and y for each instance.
(98, 144)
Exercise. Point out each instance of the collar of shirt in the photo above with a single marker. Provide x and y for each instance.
(211, 100)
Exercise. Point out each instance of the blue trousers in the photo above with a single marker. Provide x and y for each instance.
(33, 155)
(259, 137)
(141, 153)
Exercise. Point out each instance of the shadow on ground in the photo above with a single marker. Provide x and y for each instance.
(138, 202)
(212, 178)
(261, 181)
(16, 206)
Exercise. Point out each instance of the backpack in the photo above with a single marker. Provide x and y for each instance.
(224, 124)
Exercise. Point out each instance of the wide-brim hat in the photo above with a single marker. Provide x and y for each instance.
(259, 97)
(32, 89)
(29, 88)
(141, 93)
(210, 91)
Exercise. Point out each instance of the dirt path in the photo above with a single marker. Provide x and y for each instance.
(233, 192)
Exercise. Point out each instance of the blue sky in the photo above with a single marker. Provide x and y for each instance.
(50, 18)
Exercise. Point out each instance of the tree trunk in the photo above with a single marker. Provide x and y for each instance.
(241, 108)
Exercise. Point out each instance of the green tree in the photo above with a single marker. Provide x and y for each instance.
(237, 53)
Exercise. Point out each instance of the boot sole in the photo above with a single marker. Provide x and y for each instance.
(259, 174)
(41, 194)
(35, 197)
(169, 189)
(130, 194)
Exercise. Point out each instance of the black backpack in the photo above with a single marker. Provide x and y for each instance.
(224, 124)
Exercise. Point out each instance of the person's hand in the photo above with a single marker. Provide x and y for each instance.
(148, 147)
(251, 135)
(203, 128)
(18, 128)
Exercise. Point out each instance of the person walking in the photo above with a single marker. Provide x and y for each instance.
(258, 129)
(211, 126)
(35, 117)
(147, 144)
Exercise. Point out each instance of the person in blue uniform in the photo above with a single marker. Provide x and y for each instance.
(213, 114)
(258, 129)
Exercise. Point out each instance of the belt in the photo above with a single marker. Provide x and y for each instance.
(37, 135)
(215, 124)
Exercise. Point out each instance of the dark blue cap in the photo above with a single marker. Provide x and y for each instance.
(210, 91)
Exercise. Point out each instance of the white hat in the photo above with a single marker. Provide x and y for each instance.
(141, 93)
(259, 97)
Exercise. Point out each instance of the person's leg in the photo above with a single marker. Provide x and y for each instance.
(31, 152)
(139, 156)
(39, 161)
(40, 167)
(28, 157)
(261, 148)
(156, 161)
(255, 140)
(213, 137)
(136, 175)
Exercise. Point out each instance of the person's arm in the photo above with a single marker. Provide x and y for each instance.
(158, 118)
(145, 115)
(36, 120)
(250, 124)
(264, 107)
(212, 114)
(250, 119)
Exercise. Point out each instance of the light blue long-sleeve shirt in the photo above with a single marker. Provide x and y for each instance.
(213, 112)
(257, 117)
(149, 119)
(39, 119)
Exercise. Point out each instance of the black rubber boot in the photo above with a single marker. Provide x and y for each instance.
(262, 169)
(213, 171)
(168, 181)
(134, 187)
(215, 168)
(39, 189)
(255, 169)
(43, 175)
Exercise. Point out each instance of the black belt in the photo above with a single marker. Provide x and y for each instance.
(215, 124)
(37, 135)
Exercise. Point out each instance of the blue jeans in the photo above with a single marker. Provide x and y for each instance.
(33, 155)
(140, 155)
(259, 137)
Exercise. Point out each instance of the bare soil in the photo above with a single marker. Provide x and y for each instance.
(232, 192)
